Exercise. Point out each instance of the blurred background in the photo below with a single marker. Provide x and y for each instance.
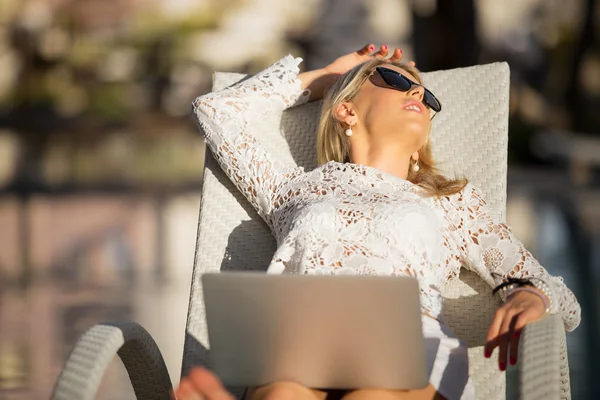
(101, 163)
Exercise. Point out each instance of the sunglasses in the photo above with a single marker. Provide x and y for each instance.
(399, 82)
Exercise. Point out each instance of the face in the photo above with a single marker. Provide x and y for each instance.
(391, 117)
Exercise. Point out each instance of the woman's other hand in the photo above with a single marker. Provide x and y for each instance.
(521, 308)
(345, 63)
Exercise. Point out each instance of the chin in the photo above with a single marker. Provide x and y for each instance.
(416, 129)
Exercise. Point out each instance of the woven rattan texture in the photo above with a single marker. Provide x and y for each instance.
(87, 363)
(469, 138)
(541, 348)
(565, 380)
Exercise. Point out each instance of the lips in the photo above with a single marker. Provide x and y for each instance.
(413, 105)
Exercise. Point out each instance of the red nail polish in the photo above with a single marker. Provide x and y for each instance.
(487, 354)
(371, 48)
(517, 334)
(502, 366)
(513, 360)
(384, 47)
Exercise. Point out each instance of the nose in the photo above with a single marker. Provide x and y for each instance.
(417, 92)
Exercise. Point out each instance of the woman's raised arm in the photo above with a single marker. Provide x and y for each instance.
(225, 117)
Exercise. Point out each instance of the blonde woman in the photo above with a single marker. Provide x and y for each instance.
(375, 205)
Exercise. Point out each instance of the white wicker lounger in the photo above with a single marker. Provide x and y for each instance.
(470, 139)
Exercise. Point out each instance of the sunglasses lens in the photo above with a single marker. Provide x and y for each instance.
(431, 101)
(396, 80)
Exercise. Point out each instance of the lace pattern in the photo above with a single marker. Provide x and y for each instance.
(354, 219)
(224, 117)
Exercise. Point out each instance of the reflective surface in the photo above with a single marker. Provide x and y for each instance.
(90, 258)
(40, 325)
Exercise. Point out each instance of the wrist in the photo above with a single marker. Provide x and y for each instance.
(327, 70)
(328, 77)
(535, 283)
(317, 81)
(532, 290)
(544, 288)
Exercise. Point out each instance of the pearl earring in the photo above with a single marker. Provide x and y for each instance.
(349, 132)
(415, 166)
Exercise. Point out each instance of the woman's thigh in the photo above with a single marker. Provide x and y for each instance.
(295, 391)
(285, 391)
(428, 393)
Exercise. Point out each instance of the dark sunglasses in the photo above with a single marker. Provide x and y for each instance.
(399, 82)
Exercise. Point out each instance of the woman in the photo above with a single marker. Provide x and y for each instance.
(374, 206)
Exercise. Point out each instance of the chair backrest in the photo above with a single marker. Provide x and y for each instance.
(469, 138)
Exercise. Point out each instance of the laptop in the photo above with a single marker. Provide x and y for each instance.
(328, 332)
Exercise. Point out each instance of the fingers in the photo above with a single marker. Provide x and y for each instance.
(396, 55)
(514, 345)
(505, 331)
(187, 391)
(505, 335)
(521, 321)
(201, 384)
(499, 336)
(491, 339)
(366, 49)
(383, 51)
(209, 385)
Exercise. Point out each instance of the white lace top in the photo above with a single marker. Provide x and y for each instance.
(354, 219)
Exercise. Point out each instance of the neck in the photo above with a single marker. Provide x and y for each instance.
(388, 159)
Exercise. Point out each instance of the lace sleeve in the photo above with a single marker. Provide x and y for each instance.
(224, 117)
(490, 249)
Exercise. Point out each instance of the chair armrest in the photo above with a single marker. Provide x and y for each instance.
(87, 363)
(543, 369)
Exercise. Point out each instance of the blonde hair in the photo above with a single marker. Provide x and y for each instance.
(333, 145)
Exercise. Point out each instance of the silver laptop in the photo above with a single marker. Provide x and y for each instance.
(335, 332)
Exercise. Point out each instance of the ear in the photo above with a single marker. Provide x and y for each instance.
(346, 113)
(415, 156)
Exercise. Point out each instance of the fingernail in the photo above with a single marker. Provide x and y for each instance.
(517, 334)
(487, 353)
(371, 48)
(400, 51)
(502, 366)
(384, 47)
(513, 360)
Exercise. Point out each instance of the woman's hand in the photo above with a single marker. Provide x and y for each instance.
(317, 81)
(345, 63)
(521, 308)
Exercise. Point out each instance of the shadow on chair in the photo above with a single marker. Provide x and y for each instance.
(302, 147)
(468, 307)
(236, 259)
